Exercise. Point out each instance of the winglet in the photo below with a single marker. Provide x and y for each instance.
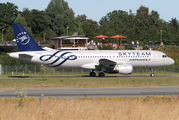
(24, 40)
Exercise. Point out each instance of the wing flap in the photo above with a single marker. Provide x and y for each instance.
(110, 63)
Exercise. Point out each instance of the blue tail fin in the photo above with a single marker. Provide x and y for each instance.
(24, 41)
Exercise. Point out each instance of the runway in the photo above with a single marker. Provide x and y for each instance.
(84, 76)
(95, 92)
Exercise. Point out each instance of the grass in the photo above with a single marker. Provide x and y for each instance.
(82, 82)
(101, 108)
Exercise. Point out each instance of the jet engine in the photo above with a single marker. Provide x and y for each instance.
(124, 69)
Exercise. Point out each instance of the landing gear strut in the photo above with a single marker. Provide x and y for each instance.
(92, 74)
(152, 72)
(101, 74)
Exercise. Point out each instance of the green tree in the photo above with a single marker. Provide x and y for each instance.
(173, 32)
(58, 15)
(145, 48)
(38, 24)
(167, 34)
(26, 13)
(90, 27)
(154, 28)
(104, 47)
(129, 47)
(142, 23)
(114, 23)
(37, 21)
(74, 27)
(8, 13)
(130, 28)
(9, 34)
(81, 18)
(22, 20)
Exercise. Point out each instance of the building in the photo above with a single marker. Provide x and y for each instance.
(71, 43)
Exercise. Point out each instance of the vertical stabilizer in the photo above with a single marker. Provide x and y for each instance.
(24, 40)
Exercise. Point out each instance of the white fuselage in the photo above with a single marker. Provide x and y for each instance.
(76, 59)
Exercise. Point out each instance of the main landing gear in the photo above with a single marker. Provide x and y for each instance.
(152, 72)
(101, 74)
(93, 74)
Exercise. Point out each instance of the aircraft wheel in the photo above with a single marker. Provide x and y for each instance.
(101, 74)
(92, 74)
(152, 74)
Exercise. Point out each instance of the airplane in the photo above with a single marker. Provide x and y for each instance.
(105, 61)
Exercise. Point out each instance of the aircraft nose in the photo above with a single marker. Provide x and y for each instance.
(171, 61)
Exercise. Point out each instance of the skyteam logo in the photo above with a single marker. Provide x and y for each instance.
(58, 59)
(23, 38)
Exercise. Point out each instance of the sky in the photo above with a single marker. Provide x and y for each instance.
(96, 9)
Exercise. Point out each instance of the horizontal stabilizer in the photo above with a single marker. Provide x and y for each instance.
(25, 57)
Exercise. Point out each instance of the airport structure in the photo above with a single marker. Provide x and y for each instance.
(71, 43)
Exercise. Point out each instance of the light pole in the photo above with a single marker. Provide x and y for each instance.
(67, 31)
(44, 38)
(2, 34)
(161, 35)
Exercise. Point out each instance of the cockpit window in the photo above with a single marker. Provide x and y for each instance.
(164, 56)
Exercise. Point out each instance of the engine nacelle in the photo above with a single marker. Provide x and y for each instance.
(124, 69)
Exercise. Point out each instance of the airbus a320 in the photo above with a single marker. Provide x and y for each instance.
(105, 61)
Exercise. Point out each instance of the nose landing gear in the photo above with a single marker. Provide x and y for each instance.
(152, 72)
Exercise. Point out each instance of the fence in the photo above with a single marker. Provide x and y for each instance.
(40, 70)
(37, 69)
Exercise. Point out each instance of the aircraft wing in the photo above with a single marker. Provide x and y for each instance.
(110, 63)
(104, 63)
(122, 67)
(107, 63)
